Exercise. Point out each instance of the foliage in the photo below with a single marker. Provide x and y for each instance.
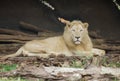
(16, 79)
(83, 62)
(115, 79)
(12, 79)
(9, 67)
(104, 62)
(110, 63)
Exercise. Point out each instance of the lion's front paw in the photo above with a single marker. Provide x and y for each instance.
(3, 58)
(99, 52)
(102, 52)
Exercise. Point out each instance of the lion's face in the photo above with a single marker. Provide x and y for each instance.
(77, 30)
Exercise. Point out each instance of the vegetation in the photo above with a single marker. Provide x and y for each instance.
(9, 67)
(78, 64)
(12, 79)
(110, 63)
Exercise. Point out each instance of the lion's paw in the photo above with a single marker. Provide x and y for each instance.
(99, 52)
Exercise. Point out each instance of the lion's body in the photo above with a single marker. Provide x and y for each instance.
(52, 45)
(66, 44)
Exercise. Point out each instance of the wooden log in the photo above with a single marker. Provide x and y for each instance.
(33, 28)
(108, 47)
(48, 34)
(115, 42)
(94, 34)
(22, 59)
(12, 32)
(12, 41)
(23, 39)
(114, 52)
(62, 73)
(15, 37)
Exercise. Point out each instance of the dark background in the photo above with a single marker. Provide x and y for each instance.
(102, 15)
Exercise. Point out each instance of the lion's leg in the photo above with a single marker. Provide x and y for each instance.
(98, 52)
(66, 53)
(94, 51)
(19, 52)
(38, 54)
(44, 54)
(83, 53)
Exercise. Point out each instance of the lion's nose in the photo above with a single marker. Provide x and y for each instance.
(77, 37)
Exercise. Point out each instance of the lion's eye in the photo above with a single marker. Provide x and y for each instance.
(73, 30)
(81, 30)
(68, 25)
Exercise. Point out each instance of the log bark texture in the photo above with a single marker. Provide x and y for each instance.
(62, 73)
(32, 27)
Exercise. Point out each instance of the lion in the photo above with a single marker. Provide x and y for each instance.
(74, 41)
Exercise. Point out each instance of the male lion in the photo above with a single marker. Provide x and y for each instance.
(74, 41)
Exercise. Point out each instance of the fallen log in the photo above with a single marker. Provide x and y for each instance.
(94, 71)
(106, 42)
(23, 39)
(114, 52)
(12, 32)
(57, 71)
(62, 73)
(52, 60)
(33, 28)
(16, 37)
(108, 47)
(12, 41)
(48, 34)
(115, 42)
(94, 34)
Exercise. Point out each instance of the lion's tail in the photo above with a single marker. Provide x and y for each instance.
(19, 52)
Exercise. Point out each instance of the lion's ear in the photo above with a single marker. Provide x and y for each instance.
(64, 21)
(86, 25)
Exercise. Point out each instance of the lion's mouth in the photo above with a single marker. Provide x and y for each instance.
(77, 42)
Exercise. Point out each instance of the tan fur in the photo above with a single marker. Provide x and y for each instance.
(65, 44)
